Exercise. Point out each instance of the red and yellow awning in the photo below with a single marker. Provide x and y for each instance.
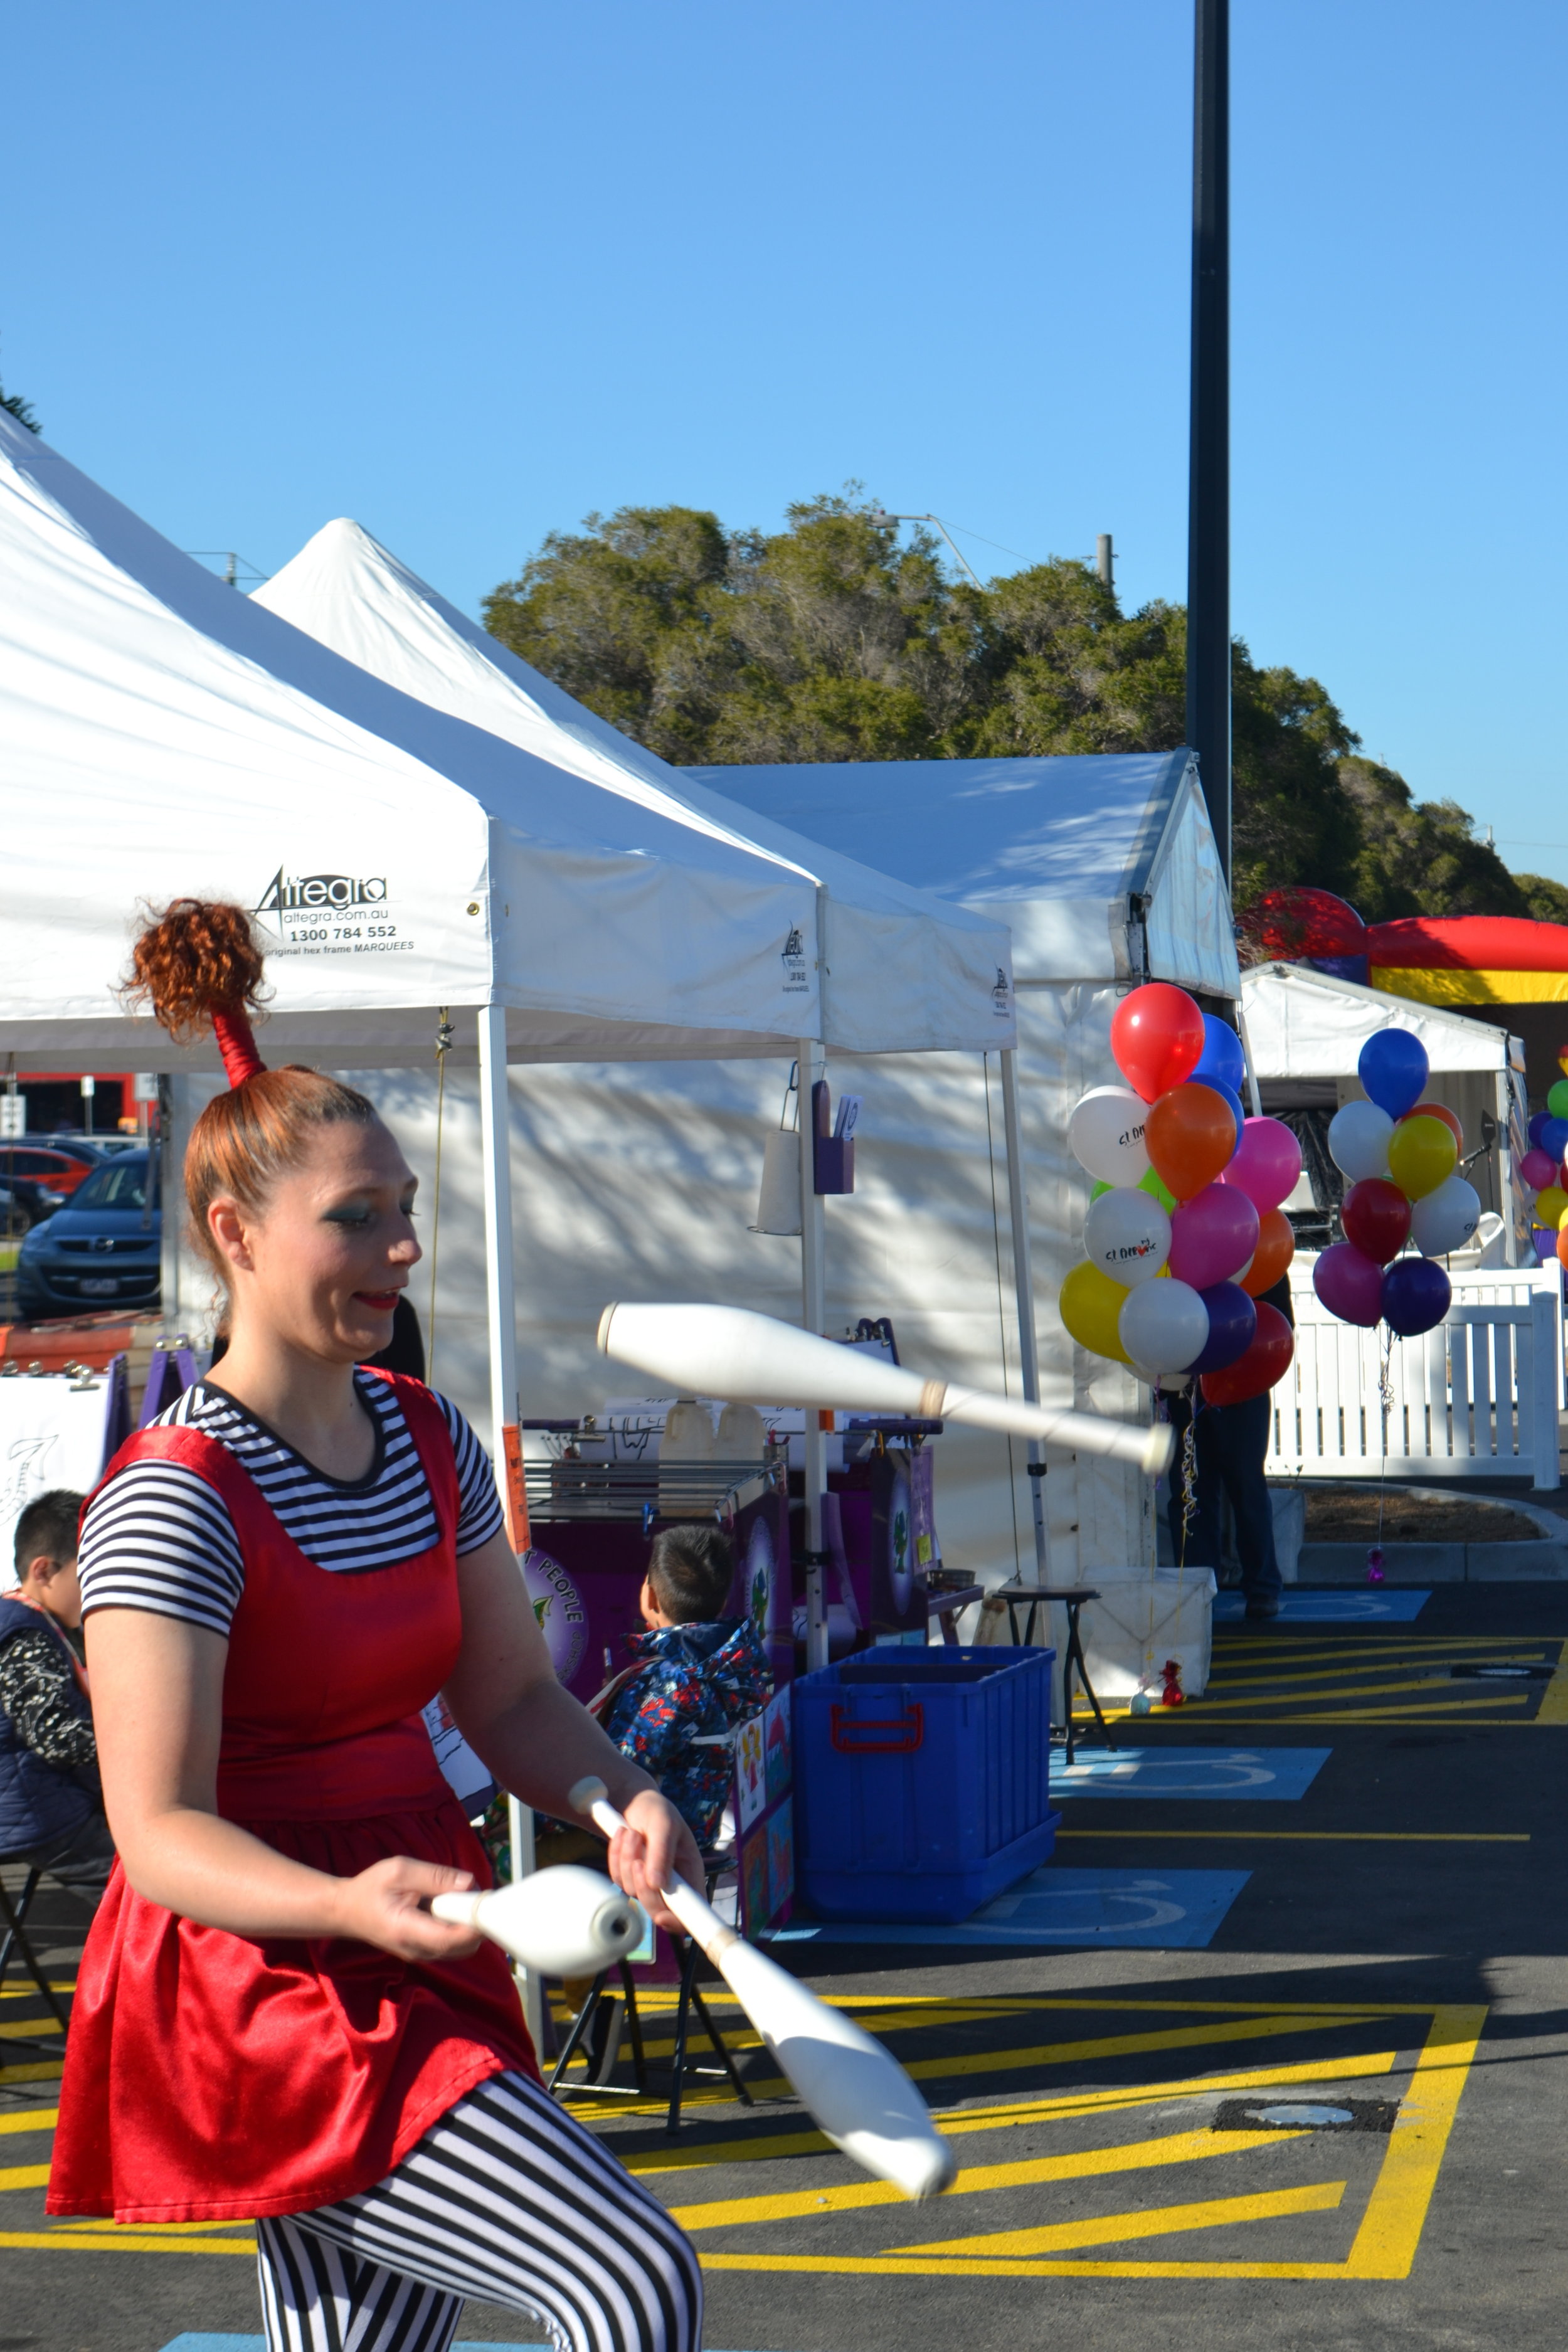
(1471, 960)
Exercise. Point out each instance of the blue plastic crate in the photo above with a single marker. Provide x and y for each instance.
(921, 1780)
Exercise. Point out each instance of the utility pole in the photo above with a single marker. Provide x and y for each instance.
(1208, 488)
(1105, 559)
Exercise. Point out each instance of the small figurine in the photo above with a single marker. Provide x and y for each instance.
(1374, 1565)
(1172, 1694)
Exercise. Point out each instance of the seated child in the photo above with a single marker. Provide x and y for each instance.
(696, 1674)
(51, 1805)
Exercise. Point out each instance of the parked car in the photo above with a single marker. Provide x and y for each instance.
(58, 1163)
(24, 1204)
(101, 1248)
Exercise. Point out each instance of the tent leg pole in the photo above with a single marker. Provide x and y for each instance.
(812, 1064)
(500, 1293)
(1024, 1278)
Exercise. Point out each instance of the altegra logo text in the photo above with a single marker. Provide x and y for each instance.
(310, 892)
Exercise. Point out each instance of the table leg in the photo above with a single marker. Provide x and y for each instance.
(1075, 1651)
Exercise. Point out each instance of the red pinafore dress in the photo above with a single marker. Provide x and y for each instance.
(210, 2077)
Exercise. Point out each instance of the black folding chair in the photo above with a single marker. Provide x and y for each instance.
(14, 1910)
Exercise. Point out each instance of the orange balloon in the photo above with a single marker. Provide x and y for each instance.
(1189, 1135)
(1440, 1111)
(1562, 1243)
(1276, 1248)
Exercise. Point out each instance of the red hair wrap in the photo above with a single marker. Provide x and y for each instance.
(236, 1044)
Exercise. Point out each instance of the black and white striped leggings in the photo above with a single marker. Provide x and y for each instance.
(506, 2198)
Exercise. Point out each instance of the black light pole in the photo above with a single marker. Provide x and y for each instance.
(1208, 492)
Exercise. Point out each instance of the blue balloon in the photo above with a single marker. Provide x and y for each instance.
(1416, 1295)
(1554, 1138)
(1233, 1321)
(1222, 1061)
(1536, 1124)
(1393, 1069)
(1215, 1086)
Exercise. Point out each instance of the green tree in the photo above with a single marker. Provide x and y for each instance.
(22, 410)
(1420, 857)
(830, 640)
(1544, 900)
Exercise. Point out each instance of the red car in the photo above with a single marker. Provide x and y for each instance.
(57, 1163)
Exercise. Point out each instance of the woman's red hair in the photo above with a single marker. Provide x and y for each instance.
(198, 967)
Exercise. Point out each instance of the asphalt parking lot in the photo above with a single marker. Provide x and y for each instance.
(1292, 2073)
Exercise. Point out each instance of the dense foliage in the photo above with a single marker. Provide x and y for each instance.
(831, 640)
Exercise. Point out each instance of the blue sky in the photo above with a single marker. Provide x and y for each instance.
(467, 272)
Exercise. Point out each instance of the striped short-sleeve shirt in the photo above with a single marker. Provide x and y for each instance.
(159, 1537)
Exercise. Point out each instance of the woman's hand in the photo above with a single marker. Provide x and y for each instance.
(384, 1906)
(655, 1847)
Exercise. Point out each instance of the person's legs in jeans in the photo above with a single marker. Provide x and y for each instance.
(1237, 1445)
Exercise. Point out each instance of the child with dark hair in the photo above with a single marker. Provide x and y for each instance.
(51, 1807)
(698, 1674)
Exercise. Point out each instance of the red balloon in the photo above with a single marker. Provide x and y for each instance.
(1375, 1216)
(1266, 1360)
(1157, 1036)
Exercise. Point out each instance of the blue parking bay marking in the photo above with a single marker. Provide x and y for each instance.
(1281, 1773)
(1357, 1605)
(1174, 1910)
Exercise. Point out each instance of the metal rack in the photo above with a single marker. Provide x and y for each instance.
(576, 1486)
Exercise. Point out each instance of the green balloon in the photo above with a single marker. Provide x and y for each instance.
(1149, 1182)
(1557, 1100)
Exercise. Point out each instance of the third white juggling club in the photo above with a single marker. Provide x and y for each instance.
(566, 1922)
(860, 2096)
(728, 1351)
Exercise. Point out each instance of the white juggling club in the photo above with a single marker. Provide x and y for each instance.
(860, 2096)
(727, 1352)
(564, 1922)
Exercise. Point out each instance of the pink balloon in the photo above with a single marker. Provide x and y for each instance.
(1213, 1235)
(1538, 1168)
(1350, 1283)
(1268, 1162)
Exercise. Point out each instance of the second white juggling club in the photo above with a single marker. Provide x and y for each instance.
(860, 2096)
(728, 1351)
(566, 1922)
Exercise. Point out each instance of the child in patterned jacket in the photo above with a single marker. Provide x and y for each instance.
(697, 1675)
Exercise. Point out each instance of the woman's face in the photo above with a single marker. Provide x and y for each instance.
(320, 1266)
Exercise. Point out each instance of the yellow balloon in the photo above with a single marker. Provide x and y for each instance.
(1551, 1206)
(1422, 1154)
(1089, 1305)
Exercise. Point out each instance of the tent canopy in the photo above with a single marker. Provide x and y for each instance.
(164, 735)
(903, 973)
(1304, 1024)
(1077, 854)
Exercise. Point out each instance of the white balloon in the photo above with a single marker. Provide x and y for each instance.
(1106, 1132)
(1444, 1220)
(1128, 1235)
(1358, 1140)
(1162, 1326)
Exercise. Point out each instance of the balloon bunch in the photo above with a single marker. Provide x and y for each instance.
(1184, 1228)
(1400, 1154)
(1542, 1169)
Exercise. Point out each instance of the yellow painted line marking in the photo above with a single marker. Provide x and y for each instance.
(1317, 1699)
(1391, 2227)
(124, 2242)
(23, 2176)
(1123, 2045)
(1161, 2221)
(961, 2122)
(29, 2119)
(1553, 1708)
(1437, 1712)
(45, 2071)
(1334, 1673)
(1384, 2245)
(1113, 2229)
(1329, 1837)
(1172, 2148)
(30, 1992)
(39, 2029)
(95, 2225)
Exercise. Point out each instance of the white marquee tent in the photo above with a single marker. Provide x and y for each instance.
(165, 734)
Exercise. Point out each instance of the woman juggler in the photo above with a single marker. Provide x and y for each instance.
(275, 1577)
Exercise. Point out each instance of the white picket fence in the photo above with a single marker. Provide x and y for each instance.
(1476, 1398)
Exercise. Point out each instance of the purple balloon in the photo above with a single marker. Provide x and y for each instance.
(1267, 1164)
(1537, 1168)
(1536, 1124)
(1232, 1324)
(1212, 1236)
(1350, 1283)
(1416, 1295)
